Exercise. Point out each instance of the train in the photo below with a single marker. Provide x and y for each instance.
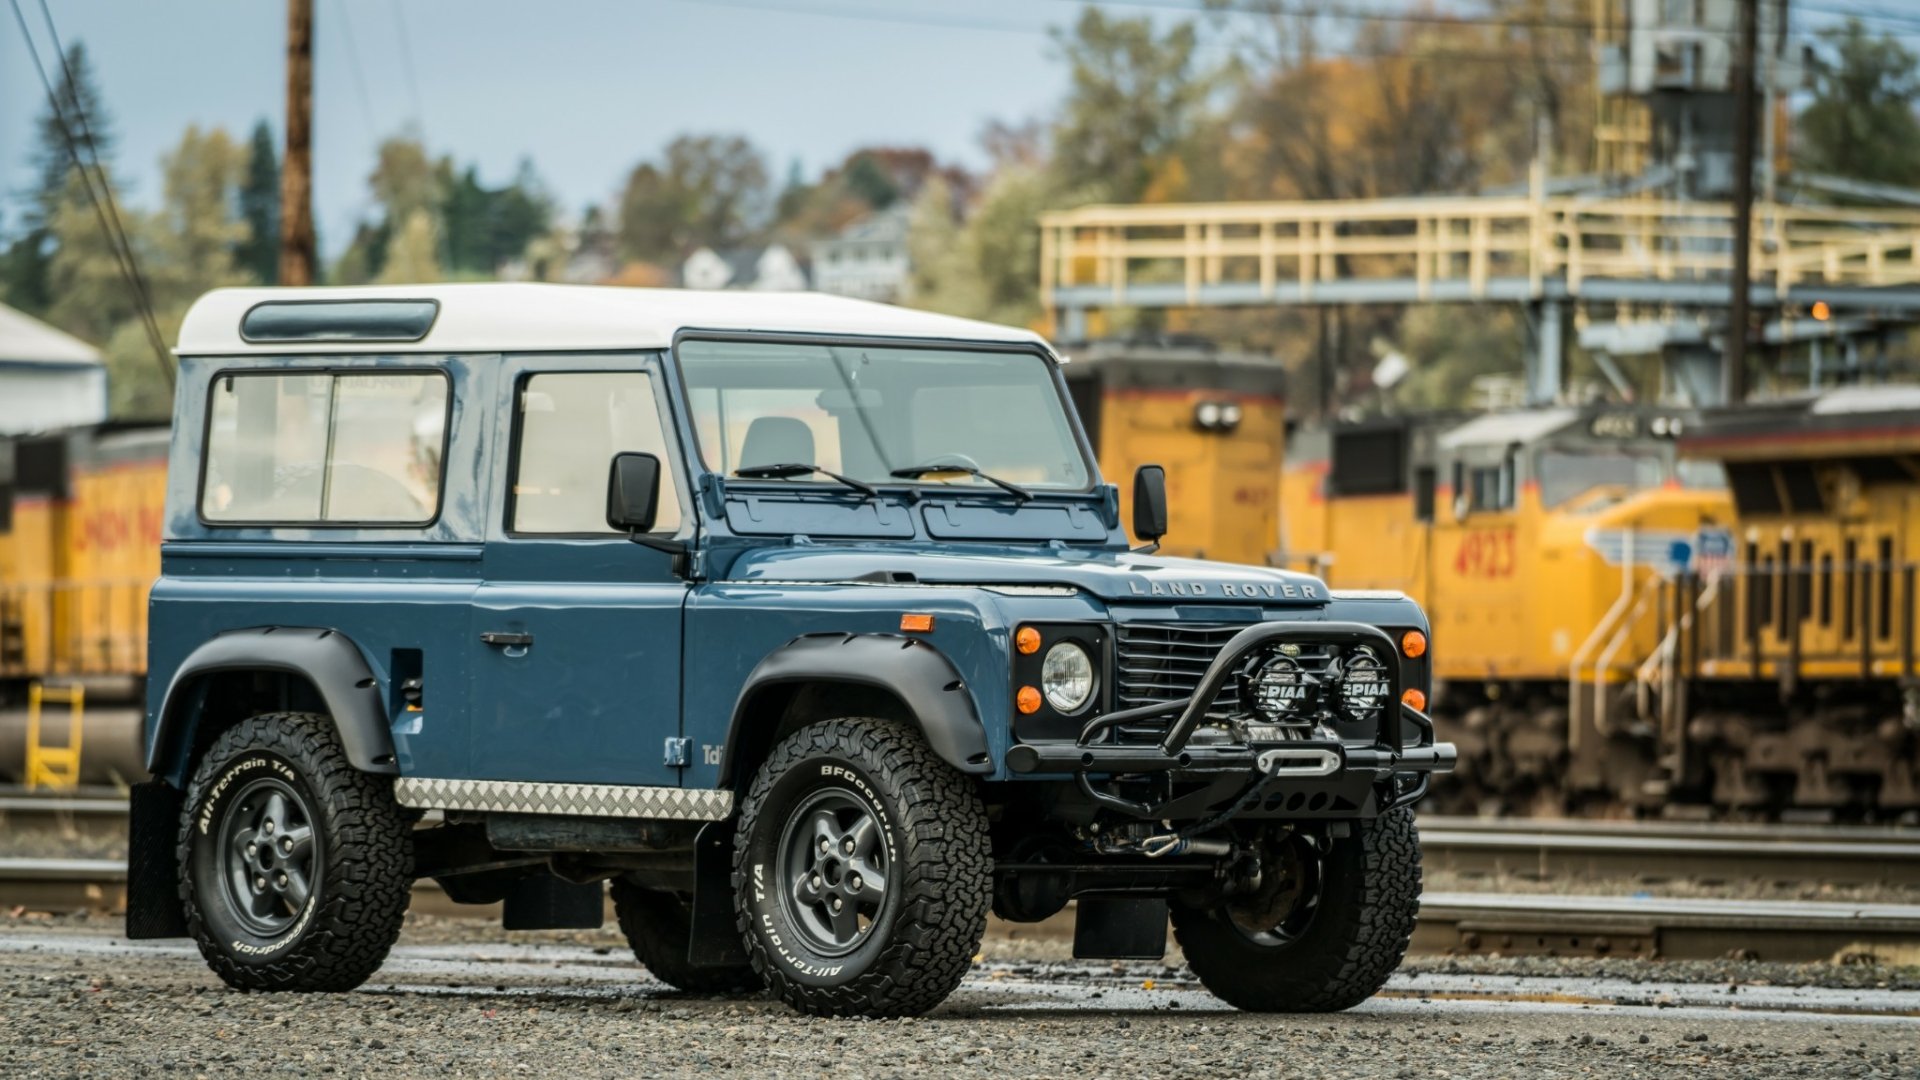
(1636, 610)
(1643, 611)
(80, 524)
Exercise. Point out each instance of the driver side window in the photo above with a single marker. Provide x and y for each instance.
(569, 426)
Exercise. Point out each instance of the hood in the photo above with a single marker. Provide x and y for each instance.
(1110, 575)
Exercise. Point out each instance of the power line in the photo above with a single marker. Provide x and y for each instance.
(116, 236)
(1002, 26)
(406, 64)
(1310, 12)
(359, 75)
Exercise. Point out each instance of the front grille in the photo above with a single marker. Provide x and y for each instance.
(1160, 662)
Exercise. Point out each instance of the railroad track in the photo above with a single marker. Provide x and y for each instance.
(1450, 923)
(1667, 851)
(1528, 848)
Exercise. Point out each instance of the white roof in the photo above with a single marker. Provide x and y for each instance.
(1504, 429)
(26, 340)
(518, 317)
(1867, 399)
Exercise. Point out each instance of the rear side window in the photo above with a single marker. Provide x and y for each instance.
(322, 448)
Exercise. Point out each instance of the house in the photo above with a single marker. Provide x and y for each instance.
(49, 380)
(868, 259)
(773, 268)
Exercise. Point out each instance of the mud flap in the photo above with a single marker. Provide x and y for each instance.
(1120, 929)
(715, 940)
(153, 866)
(546, 902)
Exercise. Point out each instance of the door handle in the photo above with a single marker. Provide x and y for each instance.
(502, 637)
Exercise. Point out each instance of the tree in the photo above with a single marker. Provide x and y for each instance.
(867, 180)
(1861, 124)
(1133, 100)
(26, 268)
(184, 249)
(991, 268)
(259, 253)
(413, 255)
(199, 228)
(710, 190)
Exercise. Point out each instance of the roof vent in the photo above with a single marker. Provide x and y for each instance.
(338, 320)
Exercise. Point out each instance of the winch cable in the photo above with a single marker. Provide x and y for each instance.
(1153, 847)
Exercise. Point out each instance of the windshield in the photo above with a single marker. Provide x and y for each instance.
(865, 412)
(1566, 474)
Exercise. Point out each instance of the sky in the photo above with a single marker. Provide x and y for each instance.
(584, 88)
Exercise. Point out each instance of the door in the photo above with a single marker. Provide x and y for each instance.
(576, 626)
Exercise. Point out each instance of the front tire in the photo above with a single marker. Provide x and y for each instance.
(862, 871)
(1325, 933)
(295, 867)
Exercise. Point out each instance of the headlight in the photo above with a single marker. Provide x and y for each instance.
(1067, 677)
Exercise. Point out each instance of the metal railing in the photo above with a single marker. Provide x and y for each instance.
(1286, 251)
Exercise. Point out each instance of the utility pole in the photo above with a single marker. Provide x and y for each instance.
(1734, 377)
(297, 257)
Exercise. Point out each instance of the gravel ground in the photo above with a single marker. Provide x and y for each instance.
(456, 1002)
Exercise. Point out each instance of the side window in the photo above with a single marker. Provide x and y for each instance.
(325, 449)
(571, 425)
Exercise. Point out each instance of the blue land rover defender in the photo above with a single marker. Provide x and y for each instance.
(805, 627)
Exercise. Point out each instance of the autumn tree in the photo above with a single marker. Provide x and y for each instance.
(1134, 97)
(707, 190)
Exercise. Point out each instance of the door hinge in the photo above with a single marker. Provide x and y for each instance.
(679, 752)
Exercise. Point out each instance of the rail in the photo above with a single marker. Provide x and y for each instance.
(1463, 250)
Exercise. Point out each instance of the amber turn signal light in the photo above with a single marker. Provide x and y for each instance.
(1414, 644)
(916, 624)
(1028, 700)
(1417, 699)
(1027, 640)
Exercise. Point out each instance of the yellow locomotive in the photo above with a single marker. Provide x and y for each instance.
(1788, 676)
(1216, 420)
(80, 517)
(1539, 541)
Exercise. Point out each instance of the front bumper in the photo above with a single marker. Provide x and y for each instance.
(1099, 750)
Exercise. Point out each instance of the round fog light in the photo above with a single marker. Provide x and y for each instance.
(1067, 677)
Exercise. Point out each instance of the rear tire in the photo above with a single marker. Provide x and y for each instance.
(295, 867)
(659, 926)
(862, 871)
(1334, 945)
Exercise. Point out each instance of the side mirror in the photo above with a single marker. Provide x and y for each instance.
(633, 492)
(1150, 503)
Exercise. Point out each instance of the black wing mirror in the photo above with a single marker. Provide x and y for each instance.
(1150, 504)
(633, 492)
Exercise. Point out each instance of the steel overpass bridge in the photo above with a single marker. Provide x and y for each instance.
(1611, 268)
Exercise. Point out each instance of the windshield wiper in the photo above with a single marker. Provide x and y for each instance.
(789, 470)
(915, 472)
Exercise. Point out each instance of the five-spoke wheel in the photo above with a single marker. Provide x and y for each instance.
(837, 866)
(269, 840)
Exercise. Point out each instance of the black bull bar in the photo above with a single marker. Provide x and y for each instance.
(1302, 758)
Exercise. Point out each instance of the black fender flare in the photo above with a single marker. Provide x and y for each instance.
(909, 668)
(326, 658)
